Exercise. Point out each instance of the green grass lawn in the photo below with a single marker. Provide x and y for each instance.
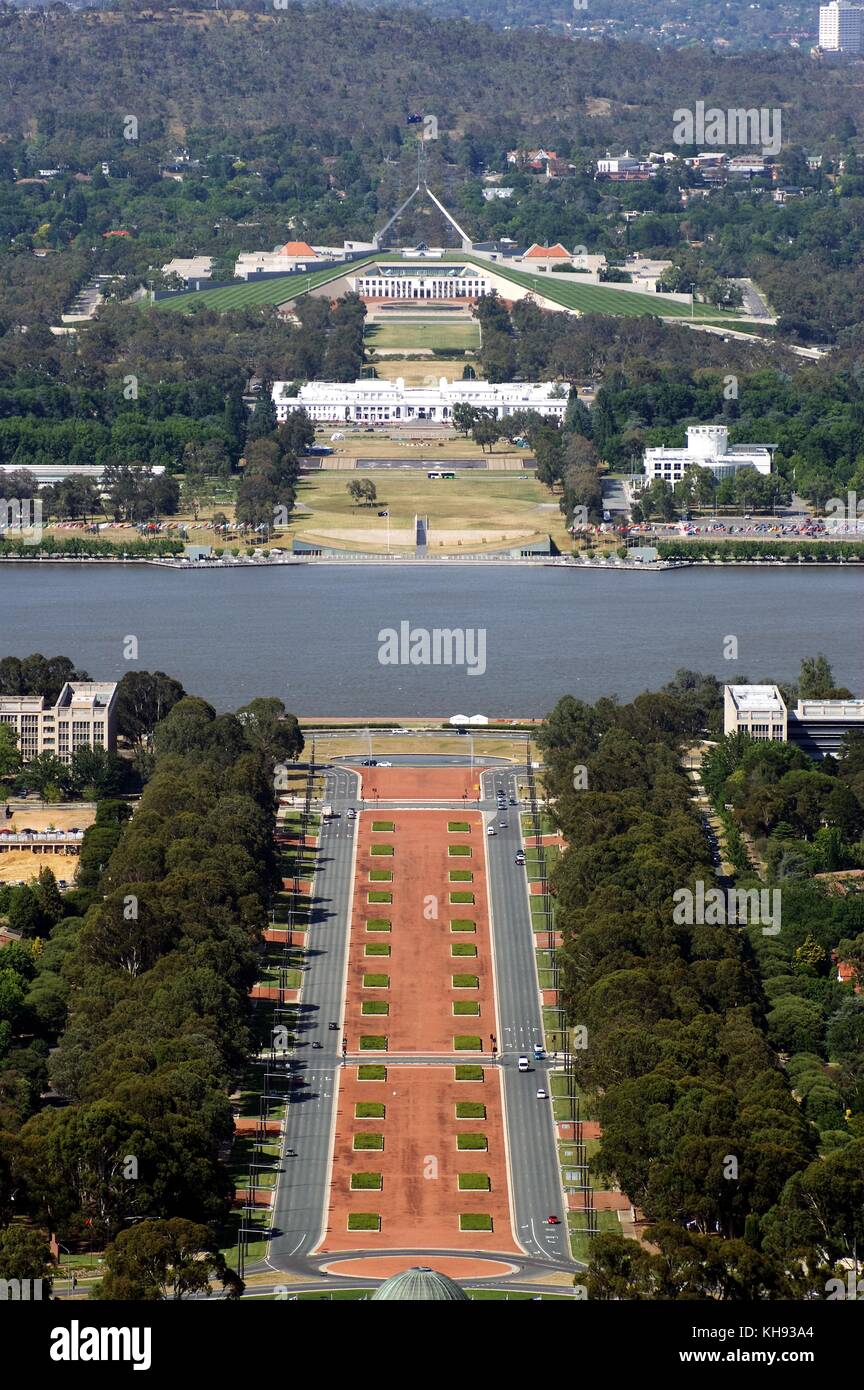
(469, 1073)
(470, 1110)
(462, 924)
(381, 875)
(466, 1008)
(368, 1140)
(463, 948)
(368, 1182)
(474, 1182)
(379, 897)
(375, 1007)
(376, 948)
(469, 1141)
(467, 1042)
(474, 1221)
(382, 826)
(373, 1042)
(364, 1221)
(463, 898)
(369, 1110)
(378, 924)
(411, 334)
(465, 981)
(376, 981)
(460, 876)
(369, 1071)
(382, 849)
(458, 826)
(459, 850)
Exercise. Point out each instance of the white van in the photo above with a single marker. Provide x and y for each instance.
(524, 1064)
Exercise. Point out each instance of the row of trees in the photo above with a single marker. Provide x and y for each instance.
(699, 1123)
(142, 997)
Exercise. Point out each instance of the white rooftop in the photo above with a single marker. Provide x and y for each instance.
(757, 698)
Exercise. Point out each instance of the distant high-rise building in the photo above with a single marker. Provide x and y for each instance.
(841, 27)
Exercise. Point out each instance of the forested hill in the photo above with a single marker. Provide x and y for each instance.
(81, 73)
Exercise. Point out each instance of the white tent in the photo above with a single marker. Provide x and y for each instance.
(460, 719)
(478, 719)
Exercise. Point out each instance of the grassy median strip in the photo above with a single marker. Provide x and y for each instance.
(368, 1140)
(474, 1221)
(364, 1221)
(366, 1182)
(470, 1110)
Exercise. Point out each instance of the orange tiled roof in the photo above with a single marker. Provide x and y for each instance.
(297, 248)
(543, 252)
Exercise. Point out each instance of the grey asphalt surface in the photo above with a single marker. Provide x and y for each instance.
(300, 1204)
(531, 1136)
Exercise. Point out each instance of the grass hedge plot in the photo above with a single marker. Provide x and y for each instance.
(462, 948)
(463, 898)
(374, 1110)
(369, 1221)
(462, 924)
(470, 1110)
(458, 827)
(467, 1042)
(372, 1007)
(466, 1008)
(376, 981)
(379, 896)
(382, 849)
(371, 1071)
(474, 1182)
(469, 1073)
(474, 1221)
(465, 981)
(460, 876)
(378, 924)
(366, 1182)
(376, 948)
(383, 826)
(367, 1139)
(380, 875)
(459, 851)
(373, 1042)
(467, 1141)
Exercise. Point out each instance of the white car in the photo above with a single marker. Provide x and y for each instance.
(490, 830)
(385, 764)
(541, 1094)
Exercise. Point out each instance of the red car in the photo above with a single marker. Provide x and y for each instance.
(553, 1221)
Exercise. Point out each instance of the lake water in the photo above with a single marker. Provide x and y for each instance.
(310, 634)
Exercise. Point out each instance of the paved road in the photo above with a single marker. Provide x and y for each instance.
(299, 1208)
(534, 1171)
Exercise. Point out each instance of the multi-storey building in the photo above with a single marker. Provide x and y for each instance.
(817, 727)
(429, 280)
(707, 447)
(84, 716)
(841, 27)
(377, 401)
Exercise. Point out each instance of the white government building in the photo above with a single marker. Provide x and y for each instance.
(707, 447)
(424, 281)
(84, 716)
(377, 401)
(841, 27)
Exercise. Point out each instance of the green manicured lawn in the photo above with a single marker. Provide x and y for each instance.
(382, 849)
(371, 1072)
(466, 1008)
(376, 981)
(364, 1221)
(467, 1042)
(383, 826)
(471, 1141)
(461, 876)
(380, 875)
(469, 1073)
(459, 334)
(474, 1221)
(459, 850)
(470, 1110)
(462, 924)
(474, 1182)
(370, 1110)
(373, 1042)
(376, 948)
(457, 826)
(378, 896)
(378, 924)
(461, 898)
(368, 1140)
(375, 1007)
(368, 1182)
(463, 948)
(465, 981)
